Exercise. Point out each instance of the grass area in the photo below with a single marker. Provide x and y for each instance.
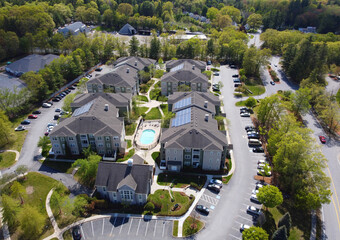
(64, 167)
(256, 89)
(67, 235)
(155, 93)
(16, 141)
(164, 206)
(158, 84)
(300, 227)
(130, 129)
(143, 110)
(7, 159)
(127, 156)
(175, 229)
(37, 187)
(164, 108)
(191, 226)
(180, 180)
(142, 98)
(226, 179)
(155, 156)
(240, 104)
(129, 143)
(153, 114)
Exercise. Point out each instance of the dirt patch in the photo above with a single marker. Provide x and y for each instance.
(182, 194)
(161, 196)
(29, 190)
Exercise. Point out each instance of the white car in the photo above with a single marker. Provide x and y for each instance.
(245, 114)
(261, 172)
(261, 165)
(259, 185)
(253, 197)
(255, 191)
(244, 227)
(216, 181)
(46, 105)
(20, 128)
(262, 161)
(253, 210)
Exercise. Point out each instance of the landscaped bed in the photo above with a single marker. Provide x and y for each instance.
(153, 114)
(164, 206)
(64, 167)
(191, 225)
(126, 156)
(181, 180)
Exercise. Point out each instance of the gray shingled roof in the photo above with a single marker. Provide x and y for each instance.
(174, 63)
(134, 62)
(127, 29)
(117, 99)
(117, 77)
(185, 74)
(32, 62)
(114, 175)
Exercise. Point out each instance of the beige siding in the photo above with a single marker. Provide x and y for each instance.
(211, 160)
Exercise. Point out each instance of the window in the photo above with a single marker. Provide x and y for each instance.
(126, 195)
(140, 197)
(99, 138)
(211, 152)
(100, 145)
(115, 138)
(70, 138)
(104, 189)
(54, 139)
(187, 150)
(107, 138)
(62, 138)
(84, 142)
(72, 145)
(74, 152)
(82, 136)
(175, 151)
(108, 145)
(187, 156)
(116, 144)
(90, 135)
(57, 152)
(56, 145)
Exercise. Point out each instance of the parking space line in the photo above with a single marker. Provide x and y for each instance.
(113, 226)
(92, 228)
(81, 229)
(234, 236)
(147, 225)
(138, 226)
(130, 225)
(154, 232)
(122, 226)
(238, 222)
(236, 229)
(245, 218)
(103, 227)
(163, 228)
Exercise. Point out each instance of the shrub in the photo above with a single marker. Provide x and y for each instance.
(159, 73)
(143, 88)
(100, 204)
(194, 185)
(149, 207)
(280, 234)
(286, 221)
(162, 98)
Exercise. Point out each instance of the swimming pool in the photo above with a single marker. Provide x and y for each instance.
(148, 136)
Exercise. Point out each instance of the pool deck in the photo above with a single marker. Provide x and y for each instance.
(154, 125)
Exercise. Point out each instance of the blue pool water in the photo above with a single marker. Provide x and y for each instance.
(148, 136)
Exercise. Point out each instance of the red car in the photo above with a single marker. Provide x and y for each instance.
(322, 139)
(32, 116)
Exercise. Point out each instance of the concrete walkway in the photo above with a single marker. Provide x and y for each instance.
(17, 154)
(50, 213)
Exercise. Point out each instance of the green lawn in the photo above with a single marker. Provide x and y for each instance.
(127, 156)
(130, 129)
(67, 235)
(180, 180)
(153, 114)
(143, 110)
(191, 226)
(142, 98)
(155, 93)
(256, 89)
(17, 139)
(164, 205)
(64, 167)
(129, 144)
(7, 160)
(225, 180)
(164, 108)
(175, 229)
(240, 103)
(156, 158)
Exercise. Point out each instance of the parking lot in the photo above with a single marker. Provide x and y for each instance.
(126, 228)
(8, 81)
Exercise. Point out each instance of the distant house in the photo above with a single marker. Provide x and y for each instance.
(122, 79)
(201, 65)
(134, 62)
(96, 124)
(32, 62)
(308, 30)
(183, 74)
(74, 29)
(128, 183)
(122, 101)
(127, 29)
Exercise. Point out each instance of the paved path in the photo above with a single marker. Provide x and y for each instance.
(17, 154)
(50, 213)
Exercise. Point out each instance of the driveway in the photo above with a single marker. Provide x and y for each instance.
(126, 228)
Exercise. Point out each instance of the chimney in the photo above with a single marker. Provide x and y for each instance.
(206, 117)
(106, 108)
(130, 162)
(127, 70)
(135, 63)
(193, 67)
(205, 104)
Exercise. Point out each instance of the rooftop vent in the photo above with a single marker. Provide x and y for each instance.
(135, 63)
(130, 162)
(193, 67)
(127, 70)
(206, 117)
(106, 108)
(205, 104)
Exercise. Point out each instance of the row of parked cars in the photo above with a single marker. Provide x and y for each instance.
(254, 139)
(214, 185)
(34, 115)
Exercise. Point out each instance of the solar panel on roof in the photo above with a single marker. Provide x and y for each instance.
(82, 109)
(182, 117)
(179, 67)
(183, 103)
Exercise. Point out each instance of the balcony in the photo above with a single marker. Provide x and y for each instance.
(110, 157)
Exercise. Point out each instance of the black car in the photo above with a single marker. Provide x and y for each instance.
(99, 69)
(36, 112)
(208, 62)
(233, 66)
(67, 90)
(249, 128)
(76, 233)
(258, 150)
(235, 75)
(56, 99)
(72, 88)
(214, 187)
(253, 135)
(56, 117)
(26, 122)
(202, 209)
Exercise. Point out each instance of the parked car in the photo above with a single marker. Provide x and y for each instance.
(56, 117)
(244, 227)
(208, 62)
(46, 133)
(46, 105)
(36, 112)
(237, 84)
(262, 161)
(237, 80)
(214, 187)
(235, 76)
(249, 127)
(31, 116)
(258, 150)
(261, 165)
(56, 99)
(76, 233)
(272, 82)
(245, 114)
(64, 113)
(255, 191)
(20, 128)
(26, 122)
(202, 209)
(253, 135)
(67, 91)
(233, 66)
(216, 87)
(50, 102)
(252, 132)
(261, 172)
(72, 88)
(58, 110)
(162, 165)
(50, 124)
(99, 69)
(216, 181)
(322, 139)
(253, 198)
(216, 74)
(260, 185)
(253, 210)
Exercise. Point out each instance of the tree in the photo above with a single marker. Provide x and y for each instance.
(270, 196)
(212, 13)
(79, 206)
(147, 8)
(87, 169)
(5, 129)
(250, 102)
(18, 191)
(255, 233)
(253, 59)
(300, 101)
(331, 116)
(134, 45)
(125, 9)
(67, 102)
(45, 144)
(56, 201)
(10, 209)
(149, 206)
(21, 169)
(280, 234)
(154, 47)
(254, 21)
(31, 222)
(286, 221)
(233, 12)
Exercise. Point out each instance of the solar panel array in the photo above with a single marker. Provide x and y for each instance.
(183, 103)
(179, 67)
(82, 109)
(182, 117)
